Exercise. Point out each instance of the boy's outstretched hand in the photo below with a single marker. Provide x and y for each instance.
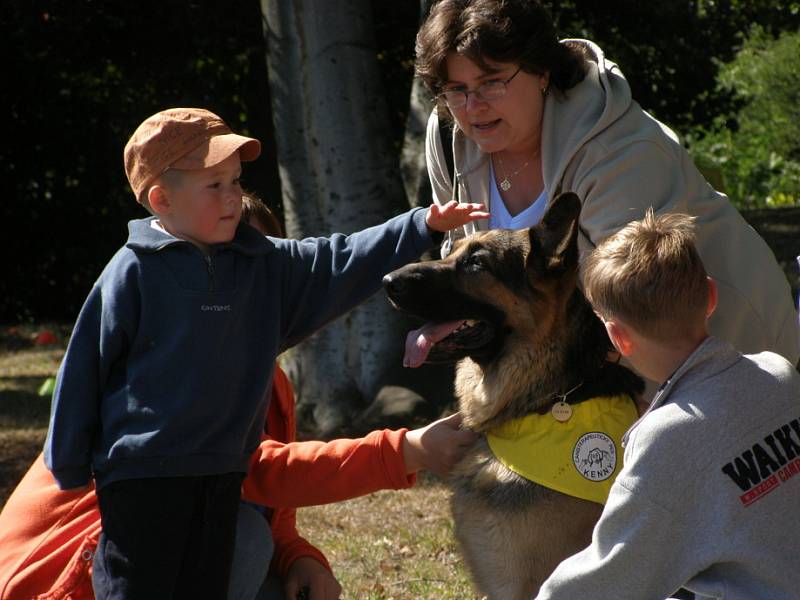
(438, 446)
(453, 214)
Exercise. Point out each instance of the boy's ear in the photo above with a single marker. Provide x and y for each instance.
(712, 297)
(620, 337)
(158, 199)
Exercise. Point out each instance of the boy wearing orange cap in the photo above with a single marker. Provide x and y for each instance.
(161, 396)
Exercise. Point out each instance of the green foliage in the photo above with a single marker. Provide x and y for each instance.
(670, 51)
(757, 148)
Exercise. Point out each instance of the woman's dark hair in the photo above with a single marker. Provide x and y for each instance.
(507, 31)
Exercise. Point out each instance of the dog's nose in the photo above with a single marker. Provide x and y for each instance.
(393, 284)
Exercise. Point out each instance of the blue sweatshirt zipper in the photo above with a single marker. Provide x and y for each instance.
(210, 268)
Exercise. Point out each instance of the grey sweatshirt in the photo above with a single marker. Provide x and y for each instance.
(709, 493)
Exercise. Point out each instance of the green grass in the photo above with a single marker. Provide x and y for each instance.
(24, 366)
(392, 545)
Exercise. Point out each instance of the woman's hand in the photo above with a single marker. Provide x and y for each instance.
(309, 575)
(453, 214)
(437, 447)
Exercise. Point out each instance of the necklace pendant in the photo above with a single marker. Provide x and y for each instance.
(505, 185)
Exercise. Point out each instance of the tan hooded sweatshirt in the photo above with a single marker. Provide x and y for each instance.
(619, 160)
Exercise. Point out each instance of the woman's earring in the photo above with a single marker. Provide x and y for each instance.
(545, 89)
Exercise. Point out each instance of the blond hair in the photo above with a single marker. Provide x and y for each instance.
(171, 179)
(650, 275)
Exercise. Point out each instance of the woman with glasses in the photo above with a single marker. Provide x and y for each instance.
(533, 116)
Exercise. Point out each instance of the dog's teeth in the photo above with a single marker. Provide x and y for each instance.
(466, 325)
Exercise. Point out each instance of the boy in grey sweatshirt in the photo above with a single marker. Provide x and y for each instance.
(708, 495)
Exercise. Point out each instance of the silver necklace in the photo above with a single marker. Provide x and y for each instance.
(505, 184)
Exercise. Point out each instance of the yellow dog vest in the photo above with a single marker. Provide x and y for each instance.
(579, 457)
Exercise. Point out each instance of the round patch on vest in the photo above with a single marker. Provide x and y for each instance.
(595, 456)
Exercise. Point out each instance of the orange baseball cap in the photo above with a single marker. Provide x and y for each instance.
(181, 138)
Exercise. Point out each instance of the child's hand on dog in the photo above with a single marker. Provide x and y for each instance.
(437, 447)
(453, 214)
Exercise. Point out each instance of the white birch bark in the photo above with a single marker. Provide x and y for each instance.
(338, 174)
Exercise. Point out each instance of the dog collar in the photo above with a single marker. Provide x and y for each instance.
(579, 456)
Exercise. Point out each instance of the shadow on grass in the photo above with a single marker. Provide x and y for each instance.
(22, 408)
(18, 448)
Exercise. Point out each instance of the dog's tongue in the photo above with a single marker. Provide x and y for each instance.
(420, 341)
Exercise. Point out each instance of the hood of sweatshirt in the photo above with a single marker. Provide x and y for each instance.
(601, 99)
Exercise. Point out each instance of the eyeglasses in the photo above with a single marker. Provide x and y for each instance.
(491, 90)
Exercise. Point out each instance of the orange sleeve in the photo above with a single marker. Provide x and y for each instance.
(312, 473)
(284, 473)
(289, 545)
(47, 539)
(48, 536)
(294, 474)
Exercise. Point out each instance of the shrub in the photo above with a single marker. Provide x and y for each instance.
(757, 150)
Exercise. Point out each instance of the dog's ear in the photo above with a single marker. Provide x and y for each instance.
(554, 241)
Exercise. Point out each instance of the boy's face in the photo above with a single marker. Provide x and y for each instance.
(204, 207)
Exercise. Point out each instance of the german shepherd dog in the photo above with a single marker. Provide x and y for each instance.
(506, 305)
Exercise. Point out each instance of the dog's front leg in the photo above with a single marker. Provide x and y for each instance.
(512, 532)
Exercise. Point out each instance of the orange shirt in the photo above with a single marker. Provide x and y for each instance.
(48, 536)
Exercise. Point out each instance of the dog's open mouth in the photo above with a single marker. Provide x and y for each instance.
(446, 342)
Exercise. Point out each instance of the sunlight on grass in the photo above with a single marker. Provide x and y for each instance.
(24, 365)
(391, 545)
(31, 362)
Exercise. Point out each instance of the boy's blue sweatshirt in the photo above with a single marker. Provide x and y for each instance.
(170, 360)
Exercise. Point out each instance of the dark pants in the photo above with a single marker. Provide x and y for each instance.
(170, 537)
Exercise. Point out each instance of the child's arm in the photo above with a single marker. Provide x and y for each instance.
(636, 552)
(311, 473)
(437, 447)
(645, 544)
(290, 546)
(324, 278)
(98, 340)
(74, 414)
(308, 573)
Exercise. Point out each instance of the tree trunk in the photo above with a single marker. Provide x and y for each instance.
(412, 160)
(338, 173)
